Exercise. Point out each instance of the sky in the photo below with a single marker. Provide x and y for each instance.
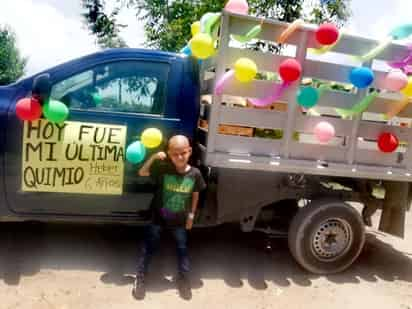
(50, 32)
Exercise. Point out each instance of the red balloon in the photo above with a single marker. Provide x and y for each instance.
(28, 109)
(387, 142)
(290, 70)
(327, 34)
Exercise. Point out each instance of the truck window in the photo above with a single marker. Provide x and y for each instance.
(126, 86)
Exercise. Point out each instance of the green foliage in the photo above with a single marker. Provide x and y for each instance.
(11, 63)
(167, 22)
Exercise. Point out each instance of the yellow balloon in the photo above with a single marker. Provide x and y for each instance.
(151, 138)
(407, 91)
(202, 46)
(245, 70)
(195, 28)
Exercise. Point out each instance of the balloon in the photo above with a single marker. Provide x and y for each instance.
(195, 28)
(395, 80)
(361, 77)
(151, 138)
(245, 70)
(307, 97)
(290, 70)
(202, 46)
(327, 34)
(326, 48)
(290, 30)
(401, 32)
(186, 50)
(387, 142)
(277, 92)
(55, 111)
(396, 108)
(28, 109)
(250, 35)
(324, 131)
(97, 99)
(359, 107)
(221, 83)
(135, 152)
(237, 7)
(407, 91)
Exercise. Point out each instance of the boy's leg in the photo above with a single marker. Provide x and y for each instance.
(180, 236)
(150, 244)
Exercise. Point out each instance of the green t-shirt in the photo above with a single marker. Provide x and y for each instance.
(173, 197)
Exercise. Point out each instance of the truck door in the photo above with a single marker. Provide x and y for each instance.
(109, 102)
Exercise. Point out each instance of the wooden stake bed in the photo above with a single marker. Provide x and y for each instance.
(352, 153)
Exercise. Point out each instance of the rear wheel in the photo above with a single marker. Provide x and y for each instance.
(326, 236)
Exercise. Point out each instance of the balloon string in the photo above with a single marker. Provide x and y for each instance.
(289, 31)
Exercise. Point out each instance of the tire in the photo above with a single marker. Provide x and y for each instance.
(311, 239)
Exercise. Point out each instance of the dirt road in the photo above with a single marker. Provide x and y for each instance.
(66, 266)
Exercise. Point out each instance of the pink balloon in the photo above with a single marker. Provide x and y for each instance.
(237, 7)
(395, 81)
(324, 131)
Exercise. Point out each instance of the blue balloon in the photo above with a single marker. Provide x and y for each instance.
(135, 152)
(361, 77)
(186, 50)
(307, 97)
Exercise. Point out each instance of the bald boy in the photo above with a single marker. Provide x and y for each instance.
(174, 206)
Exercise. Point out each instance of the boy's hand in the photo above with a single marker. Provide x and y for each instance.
(160, 156)
(189, 223)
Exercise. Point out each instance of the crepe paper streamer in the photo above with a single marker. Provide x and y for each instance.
(324, 49)
(359, 107)
(250, 35)
(222, 82)
(401, 32)
(208, 22)
(278, 91)
(290, 30)
(396, 108)
(375, 51)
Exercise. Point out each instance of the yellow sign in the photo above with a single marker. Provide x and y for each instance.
(73, 157)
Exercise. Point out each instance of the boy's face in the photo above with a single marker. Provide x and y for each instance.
(179, 155)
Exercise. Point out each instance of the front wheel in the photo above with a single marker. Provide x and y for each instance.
(326, 236)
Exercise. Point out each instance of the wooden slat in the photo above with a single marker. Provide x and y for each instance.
(370, 130)
(307, 123)
(247, 145)
(348, 44)
(375, 157)
(317, 152)
(256, 118)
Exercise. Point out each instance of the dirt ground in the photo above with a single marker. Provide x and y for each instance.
(66, 266)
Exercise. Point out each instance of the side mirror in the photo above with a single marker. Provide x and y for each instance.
(41, 87)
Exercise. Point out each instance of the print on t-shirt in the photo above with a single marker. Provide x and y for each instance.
(177, 191)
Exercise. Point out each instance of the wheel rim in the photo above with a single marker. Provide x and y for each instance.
(332, 239)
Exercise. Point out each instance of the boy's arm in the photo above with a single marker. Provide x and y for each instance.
(145, 169)
(191, 215)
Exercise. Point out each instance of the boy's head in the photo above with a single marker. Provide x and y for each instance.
(179, 150)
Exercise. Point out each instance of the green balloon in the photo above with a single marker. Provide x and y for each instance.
(135, 152)
(97, 99)
(55, 111)
(307, 97)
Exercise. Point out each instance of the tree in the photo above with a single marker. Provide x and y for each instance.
(11, 63)
(167, 22)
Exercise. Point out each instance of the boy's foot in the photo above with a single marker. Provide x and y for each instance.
(139, 289)
(183, 285)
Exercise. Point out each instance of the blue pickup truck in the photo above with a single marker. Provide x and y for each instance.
(49, 174)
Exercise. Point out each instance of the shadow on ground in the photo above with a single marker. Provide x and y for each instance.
(219, 253)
